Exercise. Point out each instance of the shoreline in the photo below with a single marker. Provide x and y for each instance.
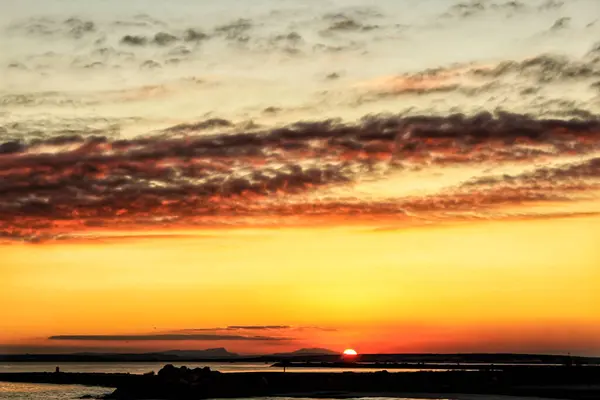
(573, 383)
(407, 395)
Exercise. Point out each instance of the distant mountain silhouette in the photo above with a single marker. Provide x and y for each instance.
(309, 352)
(219, 352)
(302, 355)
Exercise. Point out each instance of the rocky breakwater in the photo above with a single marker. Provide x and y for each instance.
(186, 383)
(541, 381)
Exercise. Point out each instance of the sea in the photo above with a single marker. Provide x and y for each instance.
(22, 391)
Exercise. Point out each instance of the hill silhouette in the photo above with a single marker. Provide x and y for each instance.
(312, 351)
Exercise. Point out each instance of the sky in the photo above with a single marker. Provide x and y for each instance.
(271, 177)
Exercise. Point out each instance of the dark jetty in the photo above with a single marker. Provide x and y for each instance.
(389, 365)
(575, 382)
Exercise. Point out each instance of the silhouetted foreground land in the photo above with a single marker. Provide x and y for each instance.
(576, 383)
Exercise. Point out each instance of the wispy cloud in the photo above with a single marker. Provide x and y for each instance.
(257, 327)
(272, 329)
(576, 173)
(167, 337)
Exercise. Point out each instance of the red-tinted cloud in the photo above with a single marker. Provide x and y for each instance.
(68, 184)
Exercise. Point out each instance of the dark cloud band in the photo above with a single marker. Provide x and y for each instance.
(82, 183)
(165, 337)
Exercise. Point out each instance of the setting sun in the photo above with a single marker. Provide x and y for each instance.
(350, 352)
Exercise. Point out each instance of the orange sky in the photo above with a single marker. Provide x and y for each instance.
(339, 177)
(523, 286)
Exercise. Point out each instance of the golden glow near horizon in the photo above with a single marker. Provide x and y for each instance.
(489, 286)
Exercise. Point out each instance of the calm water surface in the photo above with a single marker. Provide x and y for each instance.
(25, 391)
(143, 367)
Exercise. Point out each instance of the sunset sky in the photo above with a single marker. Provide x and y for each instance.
(511, 278)
(294, 179)
(529, 285)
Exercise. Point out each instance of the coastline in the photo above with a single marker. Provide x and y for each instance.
(408, 395)
(574, 383)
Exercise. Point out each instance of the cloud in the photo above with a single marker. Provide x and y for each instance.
(545, 68)
(556, 175)
(257, 327)
(271, 328)
(266, 333)
(166, 337)
(65, 185)
(532, 85)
